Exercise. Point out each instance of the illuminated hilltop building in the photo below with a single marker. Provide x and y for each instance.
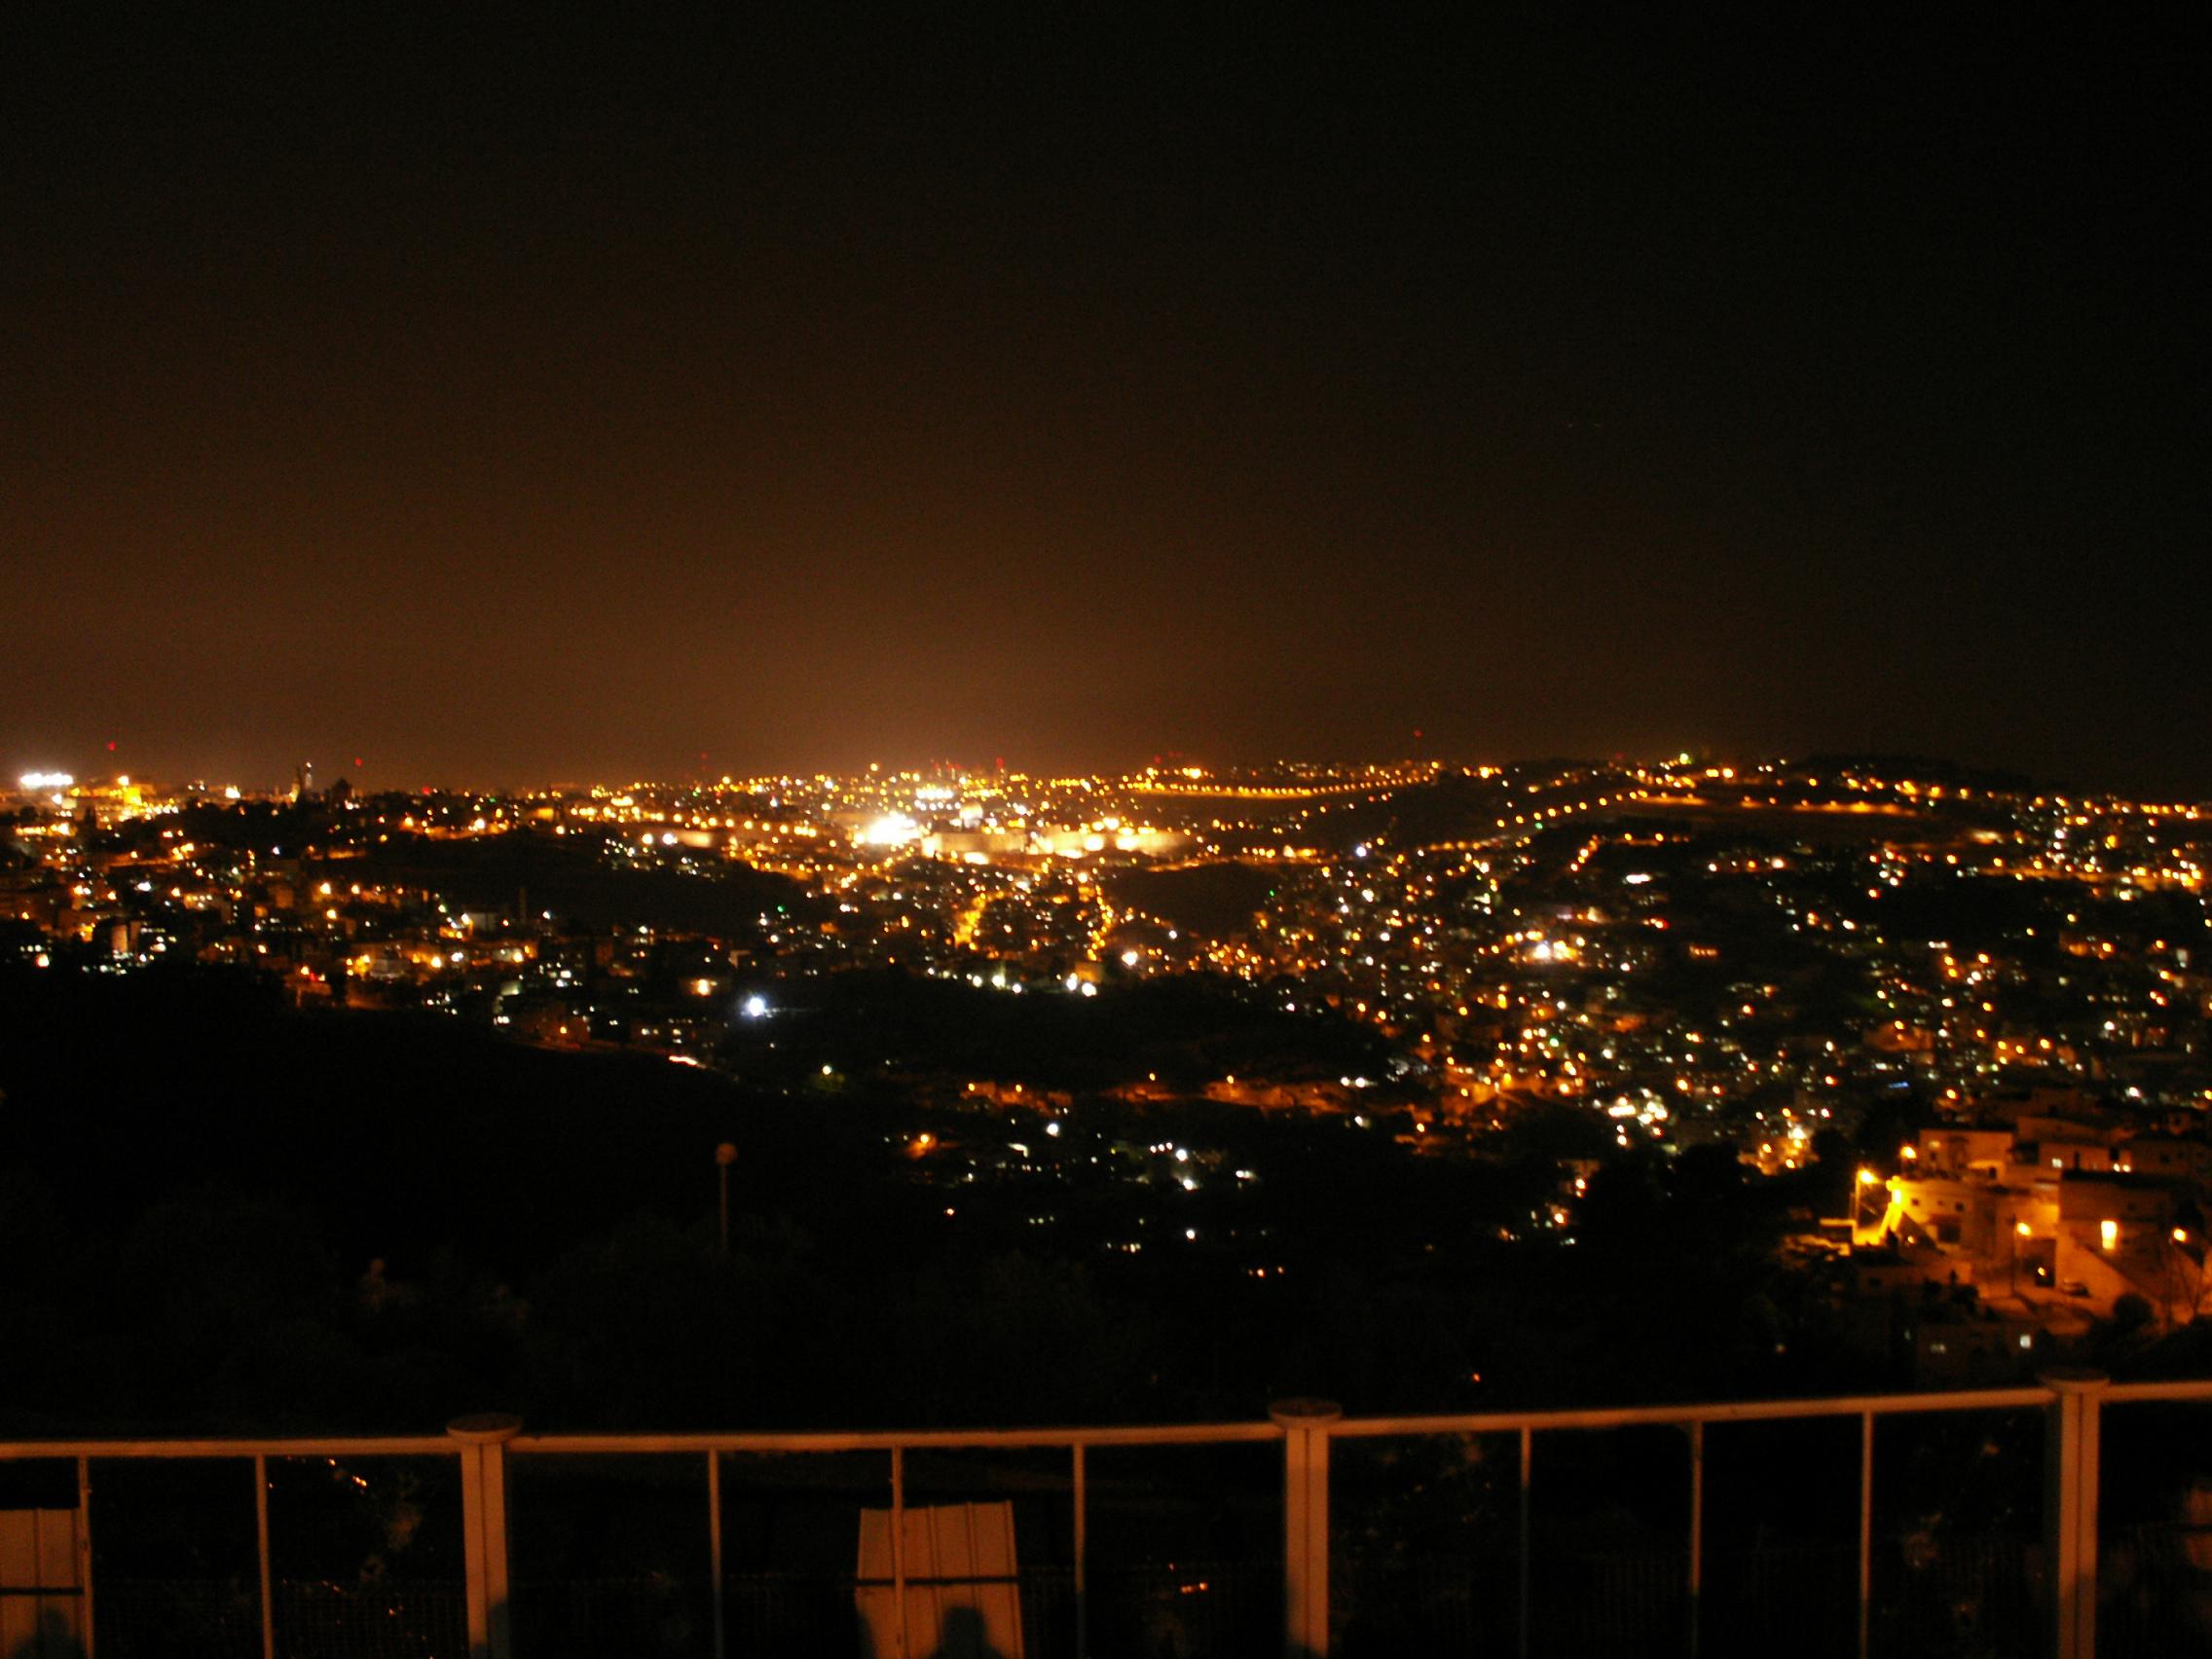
(2045, 1212)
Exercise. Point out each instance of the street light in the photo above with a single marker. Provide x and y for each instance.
(725, 1154)
(2020, 1230)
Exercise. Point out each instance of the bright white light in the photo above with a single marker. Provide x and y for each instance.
(1088, 989)
(1129, 959)
(1052, 1128)
(892, 830)
(46, 780)
(755, 1007)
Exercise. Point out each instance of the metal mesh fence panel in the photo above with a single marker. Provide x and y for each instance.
(339, 1621)
(176, 1618)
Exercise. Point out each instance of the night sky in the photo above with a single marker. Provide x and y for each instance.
(552, 401)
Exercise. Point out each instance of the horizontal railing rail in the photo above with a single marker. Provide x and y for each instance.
(911, 1440)
(1733, 1411)
(487, 1449)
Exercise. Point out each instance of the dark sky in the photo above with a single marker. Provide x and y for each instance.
(547, 400)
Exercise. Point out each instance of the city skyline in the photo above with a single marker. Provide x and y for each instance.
(265, 778)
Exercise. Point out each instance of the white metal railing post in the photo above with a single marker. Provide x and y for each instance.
(1306, 1522)
(90, 1636)
(1865, 1530)
(2070, 1507)
(715, 1551)
(899, 1547)
(484, 1529)
(1697, 1530)
(1082, 1556)
(1528, 1542)
(261, 1550)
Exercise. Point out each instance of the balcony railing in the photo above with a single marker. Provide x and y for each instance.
(2000, 1521)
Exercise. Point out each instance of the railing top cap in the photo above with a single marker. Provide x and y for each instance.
(1304, 1412)
(2074, 1378)
(485, 1428)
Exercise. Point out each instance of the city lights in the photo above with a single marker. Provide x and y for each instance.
(1494, 972)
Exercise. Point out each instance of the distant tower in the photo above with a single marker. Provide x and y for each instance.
(303, 781)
